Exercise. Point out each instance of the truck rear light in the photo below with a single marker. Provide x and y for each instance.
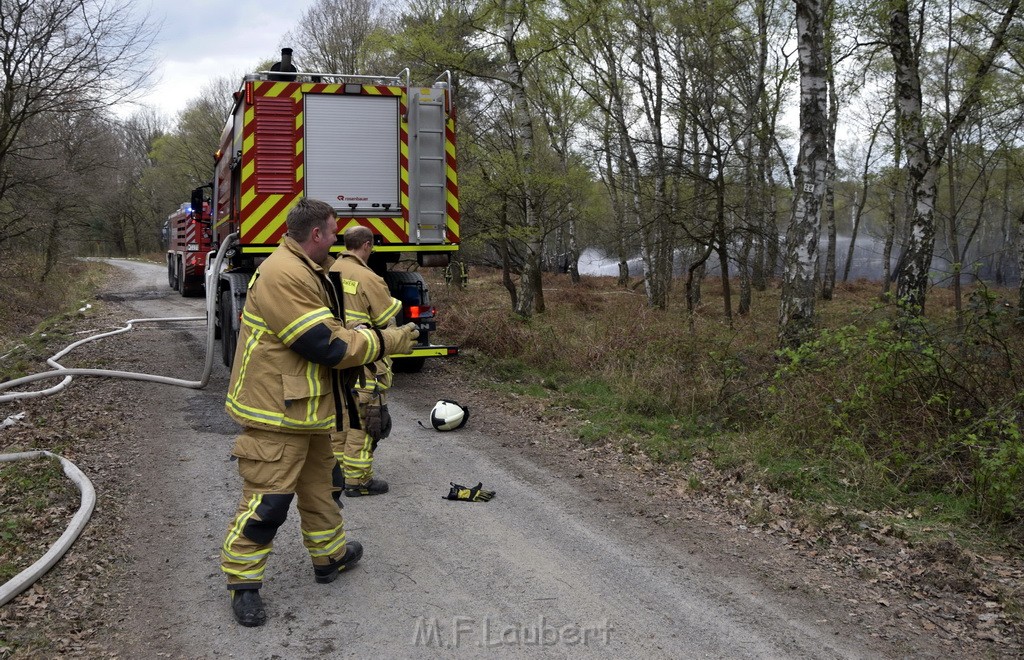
(419, 312)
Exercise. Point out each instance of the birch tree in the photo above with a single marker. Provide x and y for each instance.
(796, 312)
(924, 159)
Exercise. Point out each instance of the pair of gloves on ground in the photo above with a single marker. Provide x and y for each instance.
(474, 494)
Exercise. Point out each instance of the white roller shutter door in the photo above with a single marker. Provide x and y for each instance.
(351, 150)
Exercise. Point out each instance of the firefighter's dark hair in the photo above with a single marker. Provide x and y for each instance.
(305, 215)
(356, 236)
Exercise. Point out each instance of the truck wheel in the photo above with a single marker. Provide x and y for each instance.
(171, 280)
(228, 332)
(216, 323)
(181, 279)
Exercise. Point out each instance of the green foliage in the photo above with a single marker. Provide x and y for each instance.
(911, 403)
(997, 457)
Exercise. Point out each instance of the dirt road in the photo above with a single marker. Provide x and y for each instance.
(556, 565)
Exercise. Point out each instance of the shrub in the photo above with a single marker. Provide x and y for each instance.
(922, 403)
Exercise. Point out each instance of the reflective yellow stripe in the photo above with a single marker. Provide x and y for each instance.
(249, 576)
(300, 325)
(313, 380)
(388, 314)
(246, 556)
(372, 345)
(331, 549)
(236, 529)
(250, 345)
(323, 535)
(353, 317)
(255, 322)
(278, 419)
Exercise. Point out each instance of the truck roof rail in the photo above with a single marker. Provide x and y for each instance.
(336, 77)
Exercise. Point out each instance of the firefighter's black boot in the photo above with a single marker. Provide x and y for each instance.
(329, 573)
(248, 607)
(374, 486)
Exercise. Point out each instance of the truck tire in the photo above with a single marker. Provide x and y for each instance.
(216, 319)
(181, 278)
(228, 333)
(231, 303)
(171, 279)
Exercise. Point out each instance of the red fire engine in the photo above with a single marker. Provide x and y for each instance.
(189, 238)
(380, 150)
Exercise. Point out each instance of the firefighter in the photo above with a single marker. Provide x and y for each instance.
(286, 392)
(368, 302)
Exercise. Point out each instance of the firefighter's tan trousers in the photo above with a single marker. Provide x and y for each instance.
(354, 447)
(275, 467)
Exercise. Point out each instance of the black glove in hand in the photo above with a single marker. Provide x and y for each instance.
(475, 494)
(378, 423)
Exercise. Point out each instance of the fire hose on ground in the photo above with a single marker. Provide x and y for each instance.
(27, 577)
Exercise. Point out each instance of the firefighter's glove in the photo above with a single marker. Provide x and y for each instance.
(400, 339)
(475, 494)
(378, 423)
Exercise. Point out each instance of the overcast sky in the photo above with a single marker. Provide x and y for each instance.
(200, 40)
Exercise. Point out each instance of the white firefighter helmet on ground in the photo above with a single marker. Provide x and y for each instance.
(448, 416)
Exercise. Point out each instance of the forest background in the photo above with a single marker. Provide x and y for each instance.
(660, 135)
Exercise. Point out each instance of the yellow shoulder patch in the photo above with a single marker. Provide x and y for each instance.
(350, 286)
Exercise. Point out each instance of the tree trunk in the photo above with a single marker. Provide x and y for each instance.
(1020, 267)
(796, 313)
(613, 182)
(506, 258)
(530, 279)
(658, 246)
(859, 201)
(744, 271)
(912, 283)
(890, 238)
(574, 253)
(761, 271)
(1005, 225)
(923, 167)
(722, 247)
(828, 278)
(694, 277)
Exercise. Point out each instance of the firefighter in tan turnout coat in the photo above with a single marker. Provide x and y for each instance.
(286, 392)
(368, 303)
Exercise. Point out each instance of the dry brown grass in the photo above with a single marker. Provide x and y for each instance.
(28, 300)
(886, 409)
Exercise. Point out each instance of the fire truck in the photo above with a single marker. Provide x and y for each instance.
(189, 238)
(379, 149)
